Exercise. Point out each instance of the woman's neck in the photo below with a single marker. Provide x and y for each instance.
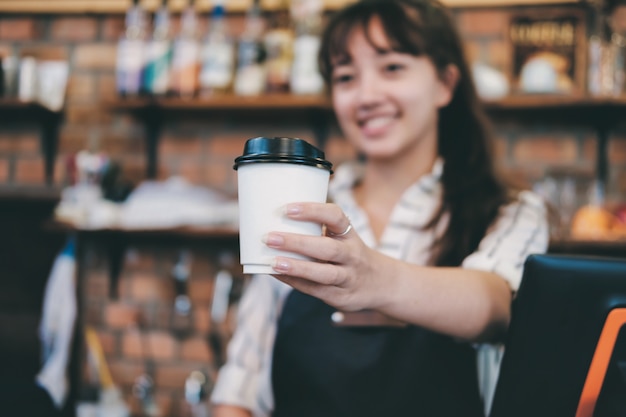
(384, 183)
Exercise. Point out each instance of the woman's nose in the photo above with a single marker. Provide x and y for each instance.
(369, 90)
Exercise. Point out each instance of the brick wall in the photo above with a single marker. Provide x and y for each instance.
(202, 149)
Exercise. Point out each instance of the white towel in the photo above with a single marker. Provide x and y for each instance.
(57, 325)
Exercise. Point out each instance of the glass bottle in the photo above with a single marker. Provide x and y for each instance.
(186, 56)
(278, 41)
(217, 55)
(305, 76)
(157, 74)
(250, 73)
(130, 52)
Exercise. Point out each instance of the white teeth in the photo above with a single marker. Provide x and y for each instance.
(377, 122)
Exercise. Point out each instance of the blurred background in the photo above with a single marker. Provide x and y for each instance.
(119, 124)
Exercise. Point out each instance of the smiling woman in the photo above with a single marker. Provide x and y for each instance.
(385, 319)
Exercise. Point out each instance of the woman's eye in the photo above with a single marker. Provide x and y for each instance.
(342, 78)
(393, 67)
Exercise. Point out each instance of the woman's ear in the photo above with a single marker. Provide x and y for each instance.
(449, 79)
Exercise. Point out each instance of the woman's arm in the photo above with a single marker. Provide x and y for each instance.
(243, 382)
(230, 411)
(472, 303)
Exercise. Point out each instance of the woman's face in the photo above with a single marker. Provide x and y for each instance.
(387, 102)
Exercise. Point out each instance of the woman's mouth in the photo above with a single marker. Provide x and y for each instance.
(376, 126)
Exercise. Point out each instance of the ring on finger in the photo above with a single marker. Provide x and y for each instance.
(345, 232)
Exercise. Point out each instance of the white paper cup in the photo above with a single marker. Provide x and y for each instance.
(272, 173)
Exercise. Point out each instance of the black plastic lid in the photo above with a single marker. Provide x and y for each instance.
(282, 150)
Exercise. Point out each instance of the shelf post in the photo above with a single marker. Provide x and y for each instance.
(152, 121)
(49, 142)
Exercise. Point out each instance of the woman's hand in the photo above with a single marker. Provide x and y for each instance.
(223, 410)
(345, 272)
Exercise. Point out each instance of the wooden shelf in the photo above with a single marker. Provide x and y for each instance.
(286, 101)
(226, 102)
(28, 194)
(233, 6)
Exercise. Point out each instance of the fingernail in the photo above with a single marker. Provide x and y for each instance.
(293, 209)
(273, 240)
(281, 265)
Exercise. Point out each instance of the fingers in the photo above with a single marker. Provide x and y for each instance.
(323, 281)
(321, 248)
(337, 223)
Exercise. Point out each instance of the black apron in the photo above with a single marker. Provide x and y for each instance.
(321, 370)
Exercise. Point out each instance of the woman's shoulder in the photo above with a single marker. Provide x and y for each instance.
(528, 197)
(525, 202)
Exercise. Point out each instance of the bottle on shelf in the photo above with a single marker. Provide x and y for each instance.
(186, 55)
(130, 52)
(278, 41)
(305, 77)
(250, 72)
(159, 54)
(217, 55)
(606, 53)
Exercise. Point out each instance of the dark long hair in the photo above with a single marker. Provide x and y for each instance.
(472, 192)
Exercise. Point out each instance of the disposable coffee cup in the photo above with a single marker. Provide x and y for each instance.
(271, 173)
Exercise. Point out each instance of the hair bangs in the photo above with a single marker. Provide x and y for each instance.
(402, 26)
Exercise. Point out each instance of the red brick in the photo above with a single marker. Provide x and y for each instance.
(125, 371)
(146, 287)
(72, 139)
(81, 88)
(164, 401)
(108, 341)
(19, 29)
(227, 146)
(95, 56)
(590, 149)
(93, 313)
(202, 319)
(338, 150)
(121, 315)
(483, 22)
(97, 285)
(60, 175)
(173, 376)
(473, 50)
(192, 171)
(29, 170)
(132, 345)
(549, 150)
(112, 27)
(86, 113)
(107, 88)
(201, 291)
(621, 185)
(6, 49)
(180, 145)
(4, 170)
(115, 144)
(221, 176)
(500, 55)
(137, 259)
(201, 264)
(617, 150)
(46, 51)
(27, 143)
(74, 28)
(7, 143)
(195, 350)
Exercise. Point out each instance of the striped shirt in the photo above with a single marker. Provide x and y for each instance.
(520, 229)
